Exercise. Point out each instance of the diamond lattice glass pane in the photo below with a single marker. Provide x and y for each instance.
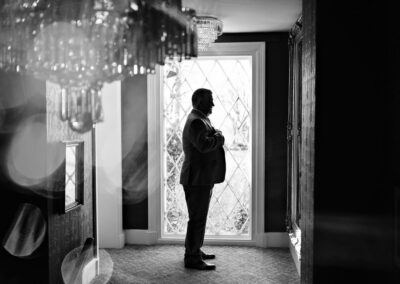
(230, 67)
(205, 66)
(174, 146)
(240, 217)
(239, 183)
(231, 165)
(219, 77)
(229, 78)
(218, 108)
(196, 78)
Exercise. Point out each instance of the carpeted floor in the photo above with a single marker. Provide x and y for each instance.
(164, 264)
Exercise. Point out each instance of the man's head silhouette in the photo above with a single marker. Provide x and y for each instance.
(203, 101)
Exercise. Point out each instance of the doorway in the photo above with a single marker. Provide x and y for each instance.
(229, 70)
(229, 78)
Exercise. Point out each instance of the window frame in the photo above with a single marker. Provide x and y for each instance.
(154, 84)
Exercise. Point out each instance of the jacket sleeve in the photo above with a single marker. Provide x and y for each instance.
(202, 139)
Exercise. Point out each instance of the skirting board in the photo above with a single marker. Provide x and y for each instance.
(140, 237)
(271, 240)
(112, 242)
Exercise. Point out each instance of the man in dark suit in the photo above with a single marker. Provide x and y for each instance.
(204, 166)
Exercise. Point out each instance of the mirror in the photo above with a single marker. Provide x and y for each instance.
(73, 195)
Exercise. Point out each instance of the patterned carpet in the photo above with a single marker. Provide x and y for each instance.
(164, 264)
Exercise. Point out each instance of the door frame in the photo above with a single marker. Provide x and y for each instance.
(257, 51)
(294, 140)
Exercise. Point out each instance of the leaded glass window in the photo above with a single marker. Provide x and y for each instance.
(230, 79)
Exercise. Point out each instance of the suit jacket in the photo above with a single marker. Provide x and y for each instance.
(204, 162)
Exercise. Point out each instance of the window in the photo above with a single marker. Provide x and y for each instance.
(232, 72)
(229, 78)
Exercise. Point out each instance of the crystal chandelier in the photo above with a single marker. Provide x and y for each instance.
(208, 29)
(81, 45)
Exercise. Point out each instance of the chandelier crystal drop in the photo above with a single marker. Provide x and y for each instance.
(208, 30)
(81, 108)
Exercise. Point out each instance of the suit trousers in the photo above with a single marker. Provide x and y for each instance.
(197, 201)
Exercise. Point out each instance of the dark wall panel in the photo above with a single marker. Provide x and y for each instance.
(356, 131)
(276, 92)
(307, 162)
(276, 120)
(134, 152)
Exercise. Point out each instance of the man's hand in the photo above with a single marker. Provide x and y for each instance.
(203, 139)
(219, 136)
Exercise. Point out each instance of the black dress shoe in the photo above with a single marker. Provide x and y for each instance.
(200, 265)
(207, 256)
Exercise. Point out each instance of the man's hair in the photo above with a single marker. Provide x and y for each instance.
(198, 96)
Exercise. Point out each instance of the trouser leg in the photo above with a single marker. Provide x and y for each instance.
(205, 223)
(197, 201)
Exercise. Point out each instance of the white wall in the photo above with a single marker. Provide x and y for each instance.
(109, 170)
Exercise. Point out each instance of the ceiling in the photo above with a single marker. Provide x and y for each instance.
(239, 16)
